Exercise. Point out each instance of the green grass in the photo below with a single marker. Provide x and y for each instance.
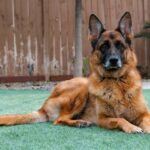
(45, 136)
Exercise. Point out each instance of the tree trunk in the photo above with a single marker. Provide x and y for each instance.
(78, 62)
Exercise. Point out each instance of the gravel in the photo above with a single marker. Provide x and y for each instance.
(47, 85)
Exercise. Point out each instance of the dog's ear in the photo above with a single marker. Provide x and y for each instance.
(95, 29)
(125, 27)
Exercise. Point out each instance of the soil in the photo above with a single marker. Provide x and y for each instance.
(29, 85)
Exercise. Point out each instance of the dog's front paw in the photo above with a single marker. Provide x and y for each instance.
(83, 124)
(57, 122)
(146, 129)
(132, 129)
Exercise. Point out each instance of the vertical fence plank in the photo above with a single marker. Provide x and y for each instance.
(71, 27)
(101, 11)
(64, 26)
(18, 33)
(46, 40)
(87, 11)
(3, 55)
(57, 68)
(148, 41)
(146, 17)
(107, 14)
(84, 28)
(140, 27)
(11, 52)
(38, 39)
(113, 14)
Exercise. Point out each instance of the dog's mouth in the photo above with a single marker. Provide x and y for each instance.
(113, 68)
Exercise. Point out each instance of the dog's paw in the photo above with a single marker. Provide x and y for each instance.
(57, 122)
(83, 124)
(146, 129)
(132, 129)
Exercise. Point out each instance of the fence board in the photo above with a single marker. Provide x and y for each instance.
(16, 15)
(3, 60)
(46, 40)
(11, 51)
(64, 26)
(56, 38)
(71, 21)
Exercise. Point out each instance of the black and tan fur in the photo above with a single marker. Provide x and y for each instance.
(111, 97)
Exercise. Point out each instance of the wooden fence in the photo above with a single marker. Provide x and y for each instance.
(37, 36)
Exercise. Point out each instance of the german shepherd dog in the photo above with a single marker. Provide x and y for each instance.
(111, 97)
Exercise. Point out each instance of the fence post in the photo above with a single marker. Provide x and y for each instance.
(78, 62)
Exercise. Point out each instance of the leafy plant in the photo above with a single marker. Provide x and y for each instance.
(85, 69)
(145, 33)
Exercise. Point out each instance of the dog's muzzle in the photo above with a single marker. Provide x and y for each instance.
(113, 62)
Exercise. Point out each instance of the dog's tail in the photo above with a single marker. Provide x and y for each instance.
(37, 116)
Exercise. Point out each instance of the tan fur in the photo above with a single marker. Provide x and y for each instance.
(109, 99)
(67, 100)
(118, 95)
(38, 116)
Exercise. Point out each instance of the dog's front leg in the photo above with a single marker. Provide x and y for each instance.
(66, 120)
(118, 123)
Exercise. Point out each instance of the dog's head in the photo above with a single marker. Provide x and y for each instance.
(112, 54)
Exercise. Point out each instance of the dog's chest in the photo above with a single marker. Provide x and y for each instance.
(114, 101)
(108, 91)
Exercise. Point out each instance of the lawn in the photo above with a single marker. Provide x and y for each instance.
(46, 136)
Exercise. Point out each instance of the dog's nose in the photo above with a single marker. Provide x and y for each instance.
(113, 61)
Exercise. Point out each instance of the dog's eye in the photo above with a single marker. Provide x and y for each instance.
(104, 47)
(119, 45)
